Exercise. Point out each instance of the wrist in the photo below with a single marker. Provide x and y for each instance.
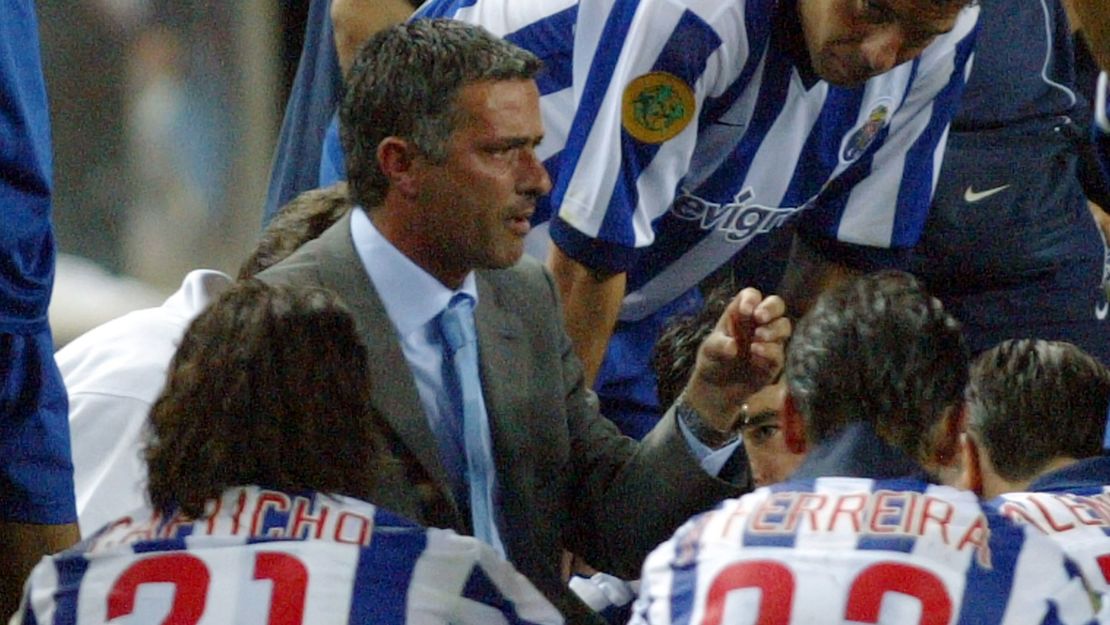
(703, 429)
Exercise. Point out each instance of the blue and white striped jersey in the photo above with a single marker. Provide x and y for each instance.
(1073, 508)
(679, 130)
(857, 550)
(268, 556)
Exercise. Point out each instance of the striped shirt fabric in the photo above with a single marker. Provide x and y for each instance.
(268, 556)
(679, 130)
(858, 550)
(1071, 506)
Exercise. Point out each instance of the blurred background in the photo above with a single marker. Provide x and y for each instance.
(165, 115)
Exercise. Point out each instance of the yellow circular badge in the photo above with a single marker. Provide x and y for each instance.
(656, 107)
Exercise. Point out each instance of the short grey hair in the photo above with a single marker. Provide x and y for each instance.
(405, 82)
(877, 350)
(1032, 401)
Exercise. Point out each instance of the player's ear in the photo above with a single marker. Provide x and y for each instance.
(397, 159)
(971, 465)
(793, 426)
(946, 437)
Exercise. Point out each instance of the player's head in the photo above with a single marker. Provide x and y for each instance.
(1032, 406)
(301, 220)
(673, 359)
(849, 41)
(405, 83)
(761, 419)
(268, 387)
(676, 349)
(878, 350)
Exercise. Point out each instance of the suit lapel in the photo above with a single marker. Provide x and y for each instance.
(394, 396)
(500, 332)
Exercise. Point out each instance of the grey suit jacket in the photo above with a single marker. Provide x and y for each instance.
(568, 479)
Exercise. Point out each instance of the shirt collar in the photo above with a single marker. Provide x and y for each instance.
(788, 31)
(858, 451)
(412, 296)
(1084, 473)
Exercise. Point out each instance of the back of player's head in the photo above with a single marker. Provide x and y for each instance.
(268, 387)
(1030, 402)
(303, 219)
(404, 84)
(878, 350)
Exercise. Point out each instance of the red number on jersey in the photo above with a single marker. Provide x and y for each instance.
(290, 579)
(187, 573)
(774, 581)
(866, 596)
(190, 578)
(1104, 566)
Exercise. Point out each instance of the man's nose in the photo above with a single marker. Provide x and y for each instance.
(534, 178)
(881, 49)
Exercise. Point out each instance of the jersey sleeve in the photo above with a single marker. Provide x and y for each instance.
(641, 73)
(885, 200)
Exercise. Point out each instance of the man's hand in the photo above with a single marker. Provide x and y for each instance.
(743, 353)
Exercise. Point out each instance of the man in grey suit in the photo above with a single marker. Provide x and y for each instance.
(440, 125)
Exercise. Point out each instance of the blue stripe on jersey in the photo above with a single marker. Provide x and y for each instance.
(834, 200)
(28, 614)
(71, 570)
(917, 176)
(479, 587)
(903, 544)
(685, 56)
(758, 21)
(987, 591)
(160, 544)
(754, 539)
(552, 40)
(385, 569)
(773, 90)
(684, 587)
(821, 153)
(444, 8)
(721, 187)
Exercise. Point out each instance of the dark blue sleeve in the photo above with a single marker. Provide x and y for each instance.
(26, 237)
(316, 92)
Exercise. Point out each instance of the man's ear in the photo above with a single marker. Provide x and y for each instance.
(793, 426)
(397, 160)
(946, 446)
(971, 465)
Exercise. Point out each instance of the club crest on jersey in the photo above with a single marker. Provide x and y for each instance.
(656, 107)
(858, 142)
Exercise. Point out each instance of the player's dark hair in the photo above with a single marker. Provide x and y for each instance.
(269, 387)
(676, 350)
(1032, 401)
(405, 82)
(301, 220)
(877, 350)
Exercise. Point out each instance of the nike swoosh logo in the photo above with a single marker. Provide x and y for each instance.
(1102, 310)
(971, 196)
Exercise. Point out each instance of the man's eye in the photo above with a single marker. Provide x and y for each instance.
(876, 13)
(762, 434)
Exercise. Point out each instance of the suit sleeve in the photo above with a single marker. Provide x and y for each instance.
(626, 497)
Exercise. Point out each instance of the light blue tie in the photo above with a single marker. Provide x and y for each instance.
(456, 322)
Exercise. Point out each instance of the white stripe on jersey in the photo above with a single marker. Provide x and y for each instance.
(798, 551)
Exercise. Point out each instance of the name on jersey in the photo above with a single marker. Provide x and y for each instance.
(271, 514)
(1053, 514)
(739, 221)
(883, 513)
